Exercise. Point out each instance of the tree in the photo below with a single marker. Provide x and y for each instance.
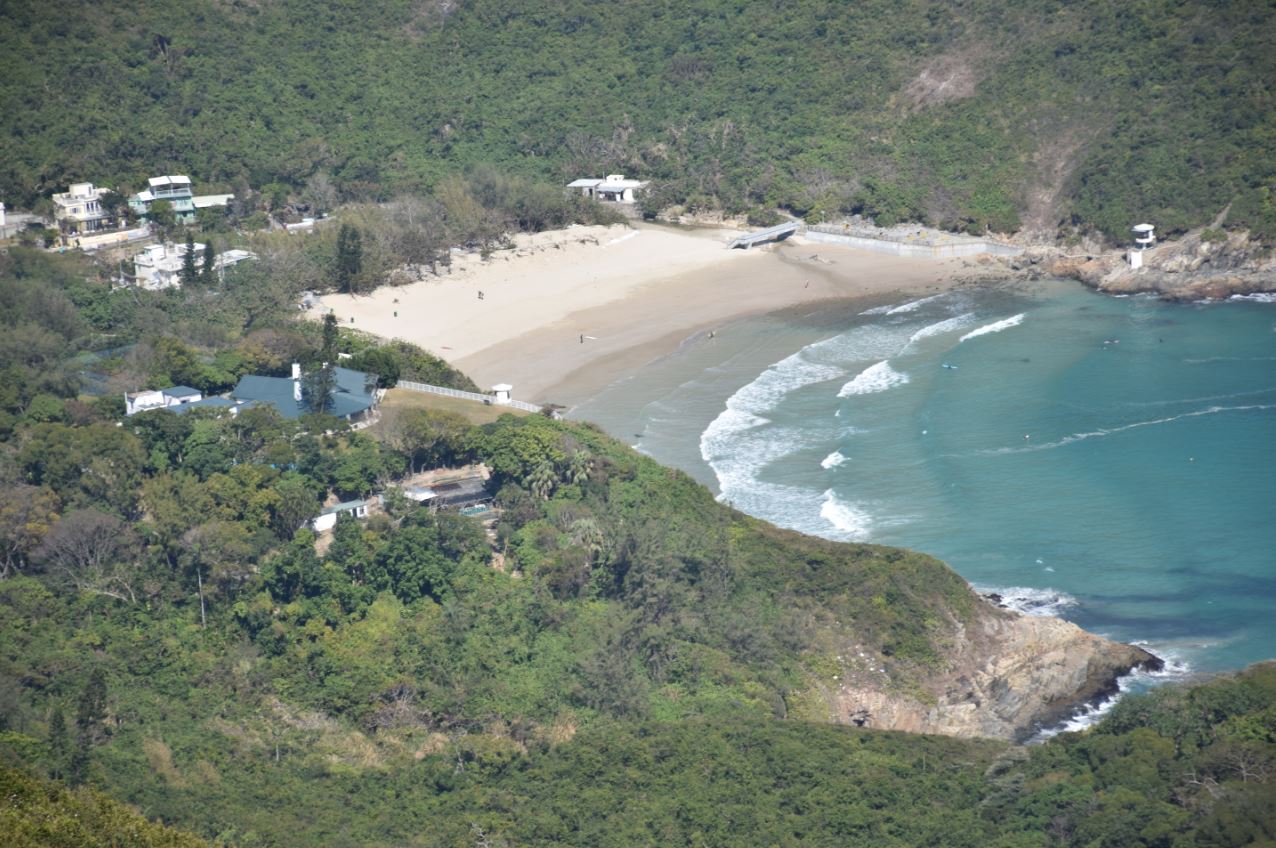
(320, 193)
(59, 743)
(26, 515)
(349, 258)
(162, 216)
(317, 388)
(88, 549)
(429, 438)
(331, 336)
(189, 276)
(89, 715)
(210, 259)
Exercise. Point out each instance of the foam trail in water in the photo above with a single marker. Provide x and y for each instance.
(833, 460)
(995, 327)
(1081, 437)
(875, 378)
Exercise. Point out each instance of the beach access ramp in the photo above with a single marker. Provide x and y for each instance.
(777, 233)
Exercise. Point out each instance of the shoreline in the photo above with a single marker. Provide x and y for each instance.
(563, 314)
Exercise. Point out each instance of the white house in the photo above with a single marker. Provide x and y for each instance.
(160, 265)
(135, 402)
(79, 212)
(614, 188)
(327, 519)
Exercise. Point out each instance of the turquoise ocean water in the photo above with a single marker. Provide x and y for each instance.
(1109, 460)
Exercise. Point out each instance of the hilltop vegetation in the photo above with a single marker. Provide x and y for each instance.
(973, 115)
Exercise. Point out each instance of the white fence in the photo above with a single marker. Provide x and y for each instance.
(457, 393)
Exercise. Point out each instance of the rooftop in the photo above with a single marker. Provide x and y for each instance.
(167, 182)
(350, 395)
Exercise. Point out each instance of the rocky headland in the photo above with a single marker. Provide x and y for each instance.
(1205, 264)
(1005, 676)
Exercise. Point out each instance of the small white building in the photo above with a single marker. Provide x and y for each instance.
(327, 519)
(614, 188)
(160, 265)
(135, 402)
(1144, 237)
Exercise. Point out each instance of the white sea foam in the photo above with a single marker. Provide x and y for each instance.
(1256, 297)
(743, 440)
(948, 325)
(851, 521)
(897, 309)
(1030, 601)
(995, 327)
(913, 306)
(833, 460)
(875, 378)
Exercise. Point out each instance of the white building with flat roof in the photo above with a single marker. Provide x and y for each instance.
(614, 188)
(160, 265)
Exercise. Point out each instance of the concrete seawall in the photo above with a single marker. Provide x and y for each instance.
(964, 247)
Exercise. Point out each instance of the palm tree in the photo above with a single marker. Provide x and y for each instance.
(578, 466)
(542, 479)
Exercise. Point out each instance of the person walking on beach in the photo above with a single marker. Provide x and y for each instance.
(480, 294)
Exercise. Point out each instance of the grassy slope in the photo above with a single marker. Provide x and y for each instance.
(1155, 110)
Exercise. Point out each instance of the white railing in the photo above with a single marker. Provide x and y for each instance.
(426, 388)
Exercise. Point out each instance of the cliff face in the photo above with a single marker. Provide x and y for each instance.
(1205, 264)
(1006, 675)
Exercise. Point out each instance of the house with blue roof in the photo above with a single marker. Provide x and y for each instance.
(353, 395)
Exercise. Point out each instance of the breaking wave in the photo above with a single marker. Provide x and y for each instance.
(833, 460)
(1029, 601)
(875, 378)
(851, 521)
(995, 327)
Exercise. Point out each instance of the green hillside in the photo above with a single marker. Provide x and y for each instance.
(39, 814)
(630, 670)
(969, 115)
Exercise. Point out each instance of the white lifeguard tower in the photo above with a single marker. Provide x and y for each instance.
(1144, 237)
(501, 394)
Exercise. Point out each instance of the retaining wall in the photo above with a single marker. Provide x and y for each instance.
(935, 251)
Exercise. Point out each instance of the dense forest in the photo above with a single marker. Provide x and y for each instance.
(1047, 116)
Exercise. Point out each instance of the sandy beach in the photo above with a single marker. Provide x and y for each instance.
(563, 314)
